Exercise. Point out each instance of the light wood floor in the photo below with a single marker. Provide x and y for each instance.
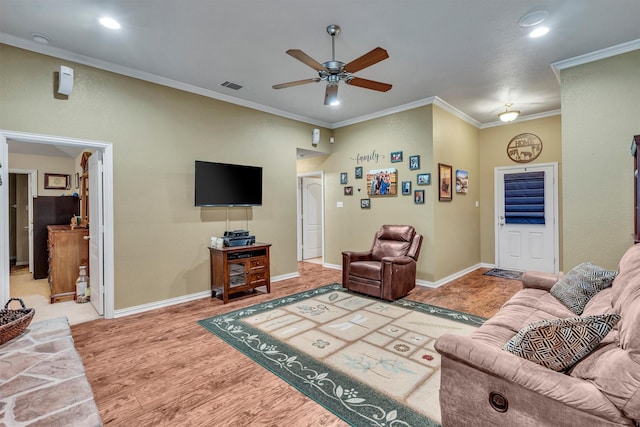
(161, 368)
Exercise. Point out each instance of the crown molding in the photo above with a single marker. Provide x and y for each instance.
(594, 56)
(152, 78)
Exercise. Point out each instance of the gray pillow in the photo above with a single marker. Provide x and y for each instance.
(580, 284)
(558, 344)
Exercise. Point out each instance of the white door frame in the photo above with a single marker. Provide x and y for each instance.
(33, 192)
(107, 156)
(319, 174)
(496, 196)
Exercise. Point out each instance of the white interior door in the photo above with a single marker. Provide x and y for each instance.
(96, 229)
(526, 217)
(311, 217)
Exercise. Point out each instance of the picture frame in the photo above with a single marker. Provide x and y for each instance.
(56, 181)
(365, 203)
(414, 162)
(462, 181)
(348, 191)
(358, 172)
(343, 178)
(406, 188)
(382, 182)
(418, 197)
(396, 156)
(445, 172)
(77, 181)
(424, 179)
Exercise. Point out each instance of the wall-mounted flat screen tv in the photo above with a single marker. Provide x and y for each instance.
(223, 184)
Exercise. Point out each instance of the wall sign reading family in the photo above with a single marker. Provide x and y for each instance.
(382, 182)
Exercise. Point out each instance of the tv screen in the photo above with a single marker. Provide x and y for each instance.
(222, 184)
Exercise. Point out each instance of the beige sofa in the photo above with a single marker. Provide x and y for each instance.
(483, 385)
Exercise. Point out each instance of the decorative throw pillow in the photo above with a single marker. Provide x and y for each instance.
(559, 344)
(580, 284)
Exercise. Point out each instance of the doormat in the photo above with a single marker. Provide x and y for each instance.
(368, 361)
(505, 274)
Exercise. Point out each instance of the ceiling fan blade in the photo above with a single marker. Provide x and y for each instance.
(368, 84)
(368, 59)
(331, 94)
(306, 59)
(296, 83)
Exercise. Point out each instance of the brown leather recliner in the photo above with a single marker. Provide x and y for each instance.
(388, 269)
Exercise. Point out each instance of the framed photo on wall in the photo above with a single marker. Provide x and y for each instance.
(396, 156)
(348, 191)
(418, 197)
(424, 179)
(406, 188)
(365, 203)
(382, 182)
(358, 173)
(343, 178)
(414, 163)
(445, 173)
(56, 181)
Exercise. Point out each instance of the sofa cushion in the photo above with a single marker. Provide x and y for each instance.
(559, 343)
(580, 284)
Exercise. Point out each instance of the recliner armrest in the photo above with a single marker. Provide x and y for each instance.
(398, 260)
(540, 280)
(357, 256)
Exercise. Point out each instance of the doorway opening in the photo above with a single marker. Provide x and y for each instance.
(311, 217)
(102, 233)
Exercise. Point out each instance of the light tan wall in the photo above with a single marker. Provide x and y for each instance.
(157, 132)
(451, 229)
(456, 223)
(600, 115)
(493, 153)
(44, 164)
(353, 228)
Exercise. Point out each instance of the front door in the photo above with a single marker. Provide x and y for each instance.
(526, 217)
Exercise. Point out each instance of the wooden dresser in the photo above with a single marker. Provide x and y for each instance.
(68, 250)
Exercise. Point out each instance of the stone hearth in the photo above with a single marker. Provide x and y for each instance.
(42, 379)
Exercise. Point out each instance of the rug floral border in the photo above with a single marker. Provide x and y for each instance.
(349, 399)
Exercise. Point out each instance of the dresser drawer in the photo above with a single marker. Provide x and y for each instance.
(258, 263)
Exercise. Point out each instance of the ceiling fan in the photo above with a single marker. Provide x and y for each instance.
(334, 71)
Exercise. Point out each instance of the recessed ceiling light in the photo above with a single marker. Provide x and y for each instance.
(40, 38)
(538, 32)
(533, 18)
(109, 23)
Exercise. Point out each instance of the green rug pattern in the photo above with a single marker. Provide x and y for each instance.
(368, 361)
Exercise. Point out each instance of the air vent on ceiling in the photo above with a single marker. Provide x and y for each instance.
(231, 85)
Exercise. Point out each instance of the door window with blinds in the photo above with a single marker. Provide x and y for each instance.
(524, 198)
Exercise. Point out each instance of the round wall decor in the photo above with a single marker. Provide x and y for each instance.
(524, 148)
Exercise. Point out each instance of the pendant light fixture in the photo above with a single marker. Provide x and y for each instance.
(508, 115)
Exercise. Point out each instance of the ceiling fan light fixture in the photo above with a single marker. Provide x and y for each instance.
(508, 115)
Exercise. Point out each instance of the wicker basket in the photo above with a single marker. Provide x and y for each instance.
(14, 322)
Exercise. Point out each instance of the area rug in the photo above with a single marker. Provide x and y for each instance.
(505, 274)
(368, 361)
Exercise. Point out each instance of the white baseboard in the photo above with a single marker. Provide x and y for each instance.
(449, 278)
(334, 266)
(180, 300)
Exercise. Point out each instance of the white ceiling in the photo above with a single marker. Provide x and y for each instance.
(472, 55)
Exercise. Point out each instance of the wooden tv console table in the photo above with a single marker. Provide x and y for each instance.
(236, 269)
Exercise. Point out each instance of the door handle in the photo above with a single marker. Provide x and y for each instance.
(86, 237)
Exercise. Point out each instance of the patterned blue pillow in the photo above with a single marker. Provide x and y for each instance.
(560, 343)
(580, 284)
